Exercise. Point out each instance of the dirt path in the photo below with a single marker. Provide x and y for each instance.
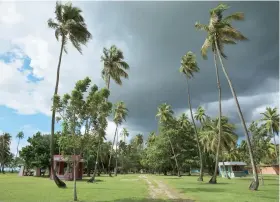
(159, 190)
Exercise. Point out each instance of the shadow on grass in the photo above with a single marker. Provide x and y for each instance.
(96, 180)
(199, 189)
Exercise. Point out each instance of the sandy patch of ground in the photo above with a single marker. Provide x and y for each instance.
(159, 190)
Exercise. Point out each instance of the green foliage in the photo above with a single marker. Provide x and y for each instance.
(5, 152)
(37, 153)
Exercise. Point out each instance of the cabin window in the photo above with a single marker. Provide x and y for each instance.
(237, 168)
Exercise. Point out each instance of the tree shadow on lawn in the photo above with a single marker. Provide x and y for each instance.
(199, 189)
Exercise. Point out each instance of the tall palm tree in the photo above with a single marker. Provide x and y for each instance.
(221, 32)
(19, 136)
(114, 65)
(120, 113)
(188, 68)
(125, 134)
(165, 117)
(210, 135)
(69, 25)
(271, 119)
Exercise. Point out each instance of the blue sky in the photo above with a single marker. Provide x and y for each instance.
(13, 122)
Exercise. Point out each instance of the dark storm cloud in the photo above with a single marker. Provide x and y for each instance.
(161, 32)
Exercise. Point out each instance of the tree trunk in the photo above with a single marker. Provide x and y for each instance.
(255, 184)
(213, 180)
(200, 178)
(17, 148)
(261, 175)
(276, 152)
(58, 182)
(116, 168)
(75, 185)
(109, 164)
(96, 162)
(175, 158)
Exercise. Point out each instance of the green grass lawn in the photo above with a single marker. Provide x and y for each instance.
(34, 189)
(235, 190)
(129, 188)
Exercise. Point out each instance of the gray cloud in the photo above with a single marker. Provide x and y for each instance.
(159, 33)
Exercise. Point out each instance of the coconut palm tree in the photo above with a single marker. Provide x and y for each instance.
(165, 117)
(188, 68)
(200, 115)
(271, 121)
(19, 136)
(69, 25)
(114, 65)
(210, 135)
(221, 32)
(120, 113)
(125, 134)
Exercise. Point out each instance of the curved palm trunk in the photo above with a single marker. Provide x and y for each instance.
(109, 164)
(213, 180)
(255, 184)
(175, 158)
(116, 168)
(200, 178)
(58, 182)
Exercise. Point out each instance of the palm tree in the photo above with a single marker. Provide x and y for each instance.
(20, 136)
(5, 141)
(271, 119)
(114, 65)
(188, 68)
(200, 115)
(125, 134)
(210, 135)
(69, 25)
(120, 113)
(165, 117)
(220, 32)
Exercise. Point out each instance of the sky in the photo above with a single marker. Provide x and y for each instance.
(153, 36)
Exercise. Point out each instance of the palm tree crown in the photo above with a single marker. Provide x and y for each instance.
(271, 119)
(114, 65)
(69, 24)
(164, 113)
(220, 28)
(189, 64)
(200, 114)
(209, 135)
(120, 113)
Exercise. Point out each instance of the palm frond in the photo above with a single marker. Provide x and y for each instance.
(52, 24)
(202, 27)
(234, 16)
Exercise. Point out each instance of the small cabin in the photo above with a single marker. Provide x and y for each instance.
(63, 165)
(233, 169)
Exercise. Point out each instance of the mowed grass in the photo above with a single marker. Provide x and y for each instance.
(235, 189)
(36, 189)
